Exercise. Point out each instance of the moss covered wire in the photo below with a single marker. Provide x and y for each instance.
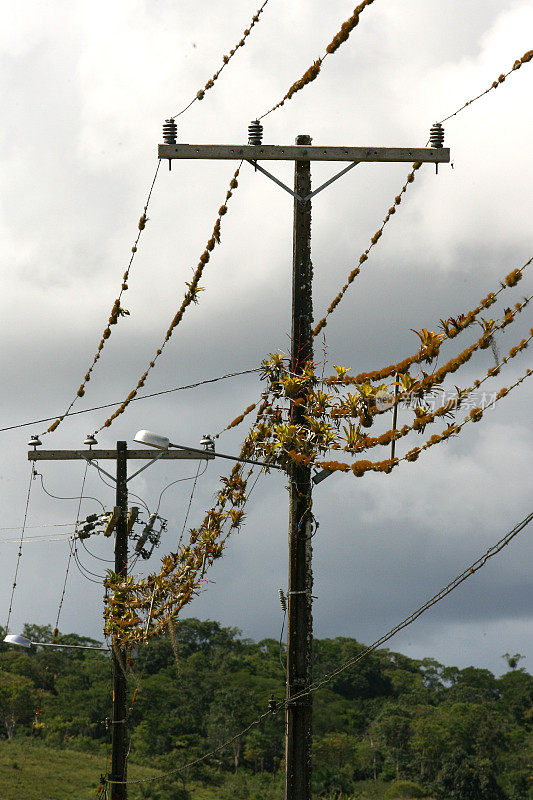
(313, 71)
(359, 468)
(494, 85)
(446, 409)
(200, 94)
(116, 312)
(191, 296)
(364, 256)
(451, 327)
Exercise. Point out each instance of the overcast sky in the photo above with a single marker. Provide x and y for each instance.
(86, 87)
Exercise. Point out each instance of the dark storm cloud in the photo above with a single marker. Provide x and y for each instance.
(80, 127)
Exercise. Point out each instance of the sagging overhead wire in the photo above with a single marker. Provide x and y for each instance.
(130, 493)
(360, 468)
(355, 271)
(135, 399)
(116, 312)
(312, 72)
(494, 85)
(189, 504)
(182, 480)
(316, 685)
(58, 497)
(72, 551)
(445, 410)
(191, 296)
(19, 555)
(225, 61)
(452, 327)
(364, 255)
(440, 595)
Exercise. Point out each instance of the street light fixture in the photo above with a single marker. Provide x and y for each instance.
(23, 641)
(163, 443)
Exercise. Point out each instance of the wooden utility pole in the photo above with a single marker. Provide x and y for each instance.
(299, 631)
(119, 791)
(117, 776)
(299, 617)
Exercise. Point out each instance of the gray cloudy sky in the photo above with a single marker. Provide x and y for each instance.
(86, 87)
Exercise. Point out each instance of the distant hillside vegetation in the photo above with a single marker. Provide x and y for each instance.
(390, 726)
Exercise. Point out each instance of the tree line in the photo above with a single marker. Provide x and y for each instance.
(460, 734)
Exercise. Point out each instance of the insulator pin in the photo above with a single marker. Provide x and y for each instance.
(436, 135)
(255, 132)
(170, 131)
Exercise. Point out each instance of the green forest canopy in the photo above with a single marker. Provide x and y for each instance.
(416, 724)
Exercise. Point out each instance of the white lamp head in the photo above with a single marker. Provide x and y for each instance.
(152, 439)
(15, 638)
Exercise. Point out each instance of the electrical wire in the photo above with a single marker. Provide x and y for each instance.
(190, 503)
(57, 497)
(93, 555)
(85, 571)
(226, 59)
(315, 686)
(494, 85)
(313, 71)
(135, 399)
(45, 525)
(181, 480)
(59, 537)
(440, 595)
(71, 550)
(116, 312)
(130, 494)
(19, 556)
(190, 297)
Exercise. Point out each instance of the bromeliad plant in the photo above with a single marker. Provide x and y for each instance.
(316, 420)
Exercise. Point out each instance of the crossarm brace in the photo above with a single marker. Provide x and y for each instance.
(298, 197)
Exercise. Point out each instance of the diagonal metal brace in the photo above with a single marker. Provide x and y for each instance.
(255, 165)
(298, 197)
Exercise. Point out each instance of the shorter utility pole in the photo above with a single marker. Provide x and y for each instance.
(119, 766)
(117, 776)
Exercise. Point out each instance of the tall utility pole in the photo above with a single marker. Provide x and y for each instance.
(299, 618)
(299, 631)
(121, 455)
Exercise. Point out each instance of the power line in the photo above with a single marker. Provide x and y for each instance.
(58, 537)
(19, 556)
(364, 256)
(58, 497)
(72, 550)
(467, 573)
(182, 480)
(191, 296)
(47, 525)
(135, 399)
(116, 312)
(225, 61)
(361, 467)
(494, 85)
(190, 503)
(463, 576)
(313, 71)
